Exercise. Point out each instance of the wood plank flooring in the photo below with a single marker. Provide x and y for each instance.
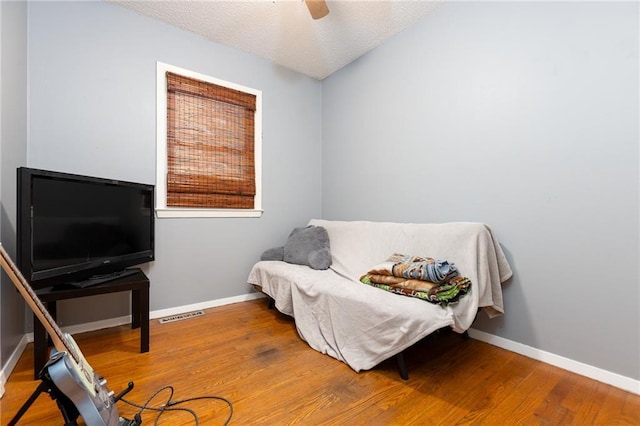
(253, 356)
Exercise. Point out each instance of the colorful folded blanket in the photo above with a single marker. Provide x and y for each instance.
(444, 294)
(436, 281)
(416, 268)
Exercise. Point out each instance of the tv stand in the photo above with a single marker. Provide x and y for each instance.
(137, 284)
(97, 279)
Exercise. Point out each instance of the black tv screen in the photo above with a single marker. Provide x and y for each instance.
(74, 228)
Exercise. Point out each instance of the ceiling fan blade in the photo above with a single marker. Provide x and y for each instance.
(317, 8)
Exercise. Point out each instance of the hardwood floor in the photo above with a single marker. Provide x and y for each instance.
(253, 356)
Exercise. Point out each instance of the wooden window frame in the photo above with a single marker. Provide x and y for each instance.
(164, 211)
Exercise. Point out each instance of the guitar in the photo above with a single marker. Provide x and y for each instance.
(68, 368)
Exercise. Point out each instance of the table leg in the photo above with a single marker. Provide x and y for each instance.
(144, 319)
(135, 308)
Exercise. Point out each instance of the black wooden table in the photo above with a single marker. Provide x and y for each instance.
(137, 284)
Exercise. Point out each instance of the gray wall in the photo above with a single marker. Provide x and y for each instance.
(92, 109)
(523, 116)
(13, 151)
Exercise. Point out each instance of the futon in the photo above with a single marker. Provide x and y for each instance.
(361, 325)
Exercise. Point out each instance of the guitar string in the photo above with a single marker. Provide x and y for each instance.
(170, 404)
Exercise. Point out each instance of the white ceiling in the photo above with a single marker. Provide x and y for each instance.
(283, 32)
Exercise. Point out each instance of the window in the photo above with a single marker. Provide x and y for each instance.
(208, 145)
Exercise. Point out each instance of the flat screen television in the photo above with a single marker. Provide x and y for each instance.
(78, 230)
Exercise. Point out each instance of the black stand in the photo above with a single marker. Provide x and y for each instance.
(67, 408)
(65, 405)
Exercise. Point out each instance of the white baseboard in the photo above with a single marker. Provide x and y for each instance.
(204, 305)
(115, 322)
(12, 362)
(625, 383)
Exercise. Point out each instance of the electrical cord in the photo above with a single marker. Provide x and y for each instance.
(170, 404)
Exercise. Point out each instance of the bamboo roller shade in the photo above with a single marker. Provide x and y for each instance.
(210, 145)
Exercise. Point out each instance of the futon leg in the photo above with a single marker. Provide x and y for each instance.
(272, 303)
(402, 366)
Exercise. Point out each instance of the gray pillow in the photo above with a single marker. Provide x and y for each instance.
(308, 246)
(305, 246)
(276, 253)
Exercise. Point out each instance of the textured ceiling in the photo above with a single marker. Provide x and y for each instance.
(284, 32)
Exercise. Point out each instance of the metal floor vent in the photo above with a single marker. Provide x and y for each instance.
(179, 317)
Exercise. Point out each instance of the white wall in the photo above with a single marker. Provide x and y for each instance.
(13, 143)
(523, 116)
(92, 107)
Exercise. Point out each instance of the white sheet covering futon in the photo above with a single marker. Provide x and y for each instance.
(361, 325)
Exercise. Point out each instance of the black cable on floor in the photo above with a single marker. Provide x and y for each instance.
(170, 404)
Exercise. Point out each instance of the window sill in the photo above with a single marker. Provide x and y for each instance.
(202, 213)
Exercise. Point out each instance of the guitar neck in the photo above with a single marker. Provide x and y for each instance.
(57, 337)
